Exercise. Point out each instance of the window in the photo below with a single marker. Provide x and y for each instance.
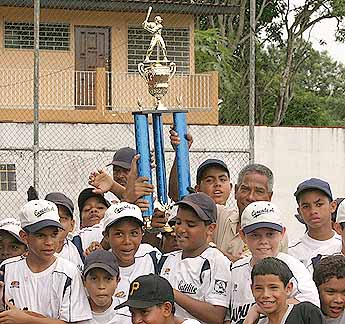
(8, 177)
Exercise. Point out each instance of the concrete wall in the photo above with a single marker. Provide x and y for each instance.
(293, 154)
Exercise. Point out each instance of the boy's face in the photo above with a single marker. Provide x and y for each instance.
(151, 315)
(263, 242)
(92, 212)
(254, 187)
(9, 246)
(270, 293)
(43, 244)
(316, 209)
(66, 219)
(124, 238)
(120, 175)
(100, 286)
(191, 232)
(332, 297)
(215, 182)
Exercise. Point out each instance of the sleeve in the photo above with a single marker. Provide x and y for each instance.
(304, 286)
(306, 313)
(75, 305)
(218, 292)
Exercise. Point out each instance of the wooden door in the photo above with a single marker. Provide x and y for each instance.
(92, 50)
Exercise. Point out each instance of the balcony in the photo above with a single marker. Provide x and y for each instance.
(102, 97)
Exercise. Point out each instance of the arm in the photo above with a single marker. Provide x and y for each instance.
(201, 310)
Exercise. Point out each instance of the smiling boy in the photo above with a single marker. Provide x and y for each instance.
(262, 230)
(41, 282)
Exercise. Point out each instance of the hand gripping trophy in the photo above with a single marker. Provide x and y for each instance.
(155, 28)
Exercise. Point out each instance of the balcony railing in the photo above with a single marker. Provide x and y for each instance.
(101, 92)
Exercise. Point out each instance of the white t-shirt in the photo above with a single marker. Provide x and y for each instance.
(91, 234)
(56, 292)
(241, 298)
(109, 316)
(333, 248)
(303, 248)
(205, 277)
(70, 252)
(144, 264)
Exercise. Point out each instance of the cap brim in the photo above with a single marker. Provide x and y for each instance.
(103, 266)
(61, 203)
(138, 304)
(17, 237)
(201, 214)
(250, 228)
(213, 163)
(297, 193)
(42, 224)
(121, 164)
(139, 221)
(89, 194)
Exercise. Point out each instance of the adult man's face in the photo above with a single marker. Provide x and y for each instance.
(254, 187)
(120, 175)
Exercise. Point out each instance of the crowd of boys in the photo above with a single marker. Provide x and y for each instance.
(204, 262)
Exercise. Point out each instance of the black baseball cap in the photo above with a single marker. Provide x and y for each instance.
(59, 198)
(316, 184)
(202, 204)
(123, 157)
(88, 193)
(101, 259)
(147, 291)
(208, 163)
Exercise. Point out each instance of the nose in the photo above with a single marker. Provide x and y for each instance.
(339, 298)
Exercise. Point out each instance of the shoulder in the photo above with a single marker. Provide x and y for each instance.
(241, 264)
(226, 212)
(66, 267)
(296, 243)
(214, 256)
(290, 260)
(15, 261)
(305, 310)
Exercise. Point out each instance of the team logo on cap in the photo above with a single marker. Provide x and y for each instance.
(39, 213)
(14, 284)
(257, 213)
(134, 287)
(120, 209)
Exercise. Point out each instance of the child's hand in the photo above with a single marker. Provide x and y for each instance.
(158, 219)
(175, 139)
(253, 315)
(17, 316)
(101, 181)
(93, 247)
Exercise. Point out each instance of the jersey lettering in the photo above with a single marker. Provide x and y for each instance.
(240, 312)
(187, 288)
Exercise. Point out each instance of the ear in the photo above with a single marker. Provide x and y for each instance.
(24, 236)
(337, 228)
(333, 206)
(166, 309)
(299, 211)
(73, 223)
(270, 194)
(242, 235)
(283, 232)
(289, 288)
(211, 228)
(197, 188)
(236, 190)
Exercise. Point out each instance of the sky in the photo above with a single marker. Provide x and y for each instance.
(324, 31)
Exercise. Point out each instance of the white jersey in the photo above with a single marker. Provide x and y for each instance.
(241, 298)
(109, 316)
(56, 292)
(205, 277)
(332, 249)
(143, 265)
(91, 234)
(303, 248)
(70, 252)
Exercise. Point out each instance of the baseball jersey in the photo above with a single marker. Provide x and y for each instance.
(109, 316)
(339, 320)
(205, 277)
(144, 264)
(57, 292)
(70, 252)
(302, 313)
(241, 298)
(332, 249)
(303, 248)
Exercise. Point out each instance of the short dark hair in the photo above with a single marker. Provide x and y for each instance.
(329, 267)
(272, 266)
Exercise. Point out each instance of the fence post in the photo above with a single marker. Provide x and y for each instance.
(100, 89)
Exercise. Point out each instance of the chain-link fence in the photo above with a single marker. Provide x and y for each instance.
(88, 86)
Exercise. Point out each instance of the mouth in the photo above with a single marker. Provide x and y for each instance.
(127, 252)
(266, 304)
(336, 310)
(48, 252)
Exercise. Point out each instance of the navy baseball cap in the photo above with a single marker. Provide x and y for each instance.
(316, 184)
(123, 157)
(88, 193)
(147, 291)
(102, 259)
(208, 163)
(202, 204)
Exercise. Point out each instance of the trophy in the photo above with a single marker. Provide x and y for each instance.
(157, 74)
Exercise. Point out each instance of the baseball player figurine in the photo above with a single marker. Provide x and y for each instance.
(155, 28)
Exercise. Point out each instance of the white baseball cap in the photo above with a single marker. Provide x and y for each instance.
(121, 210)
(341, 212)
(37, 214)
(261, 214)
(12, 226)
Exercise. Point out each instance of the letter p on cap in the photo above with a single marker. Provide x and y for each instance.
(135, 287)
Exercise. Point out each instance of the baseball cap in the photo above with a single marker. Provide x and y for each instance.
(101, 259)
(123, 157)
(202, 204)
(341, 212)
(314, 183)
(147, 291)
(334, 214)
(261, 214)
(121, 210)
(88, 193)
(206, 164)
(37, 214)
(12, 226)
(59, 198)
